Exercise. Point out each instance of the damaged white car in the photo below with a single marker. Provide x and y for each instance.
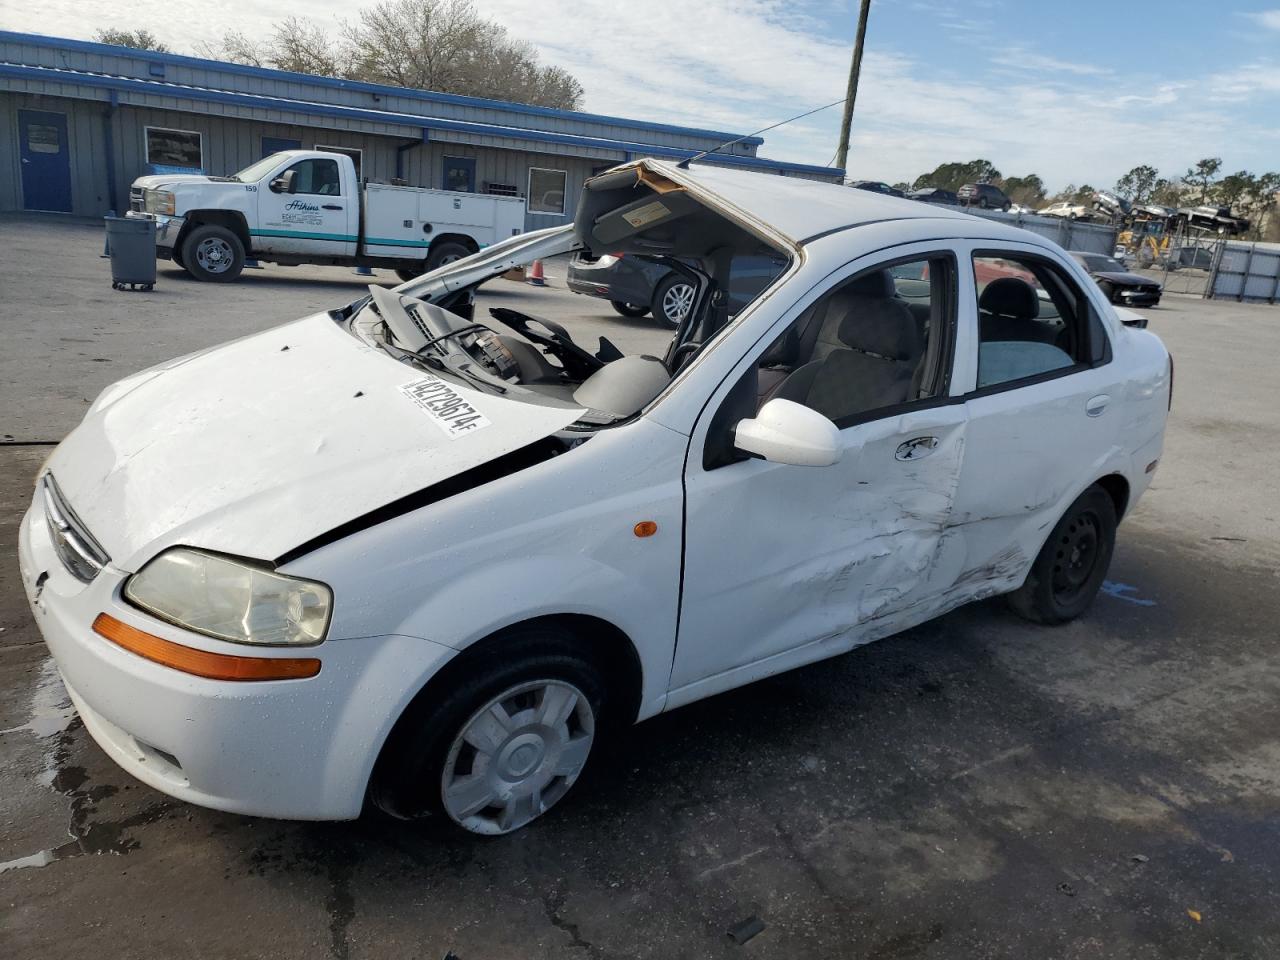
(409, 555)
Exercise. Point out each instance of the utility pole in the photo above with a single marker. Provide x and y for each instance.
(842, 153)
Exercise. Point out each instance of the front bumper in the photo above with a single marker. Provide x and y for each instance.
(1138, 298)
(167, 228)
(292, 749)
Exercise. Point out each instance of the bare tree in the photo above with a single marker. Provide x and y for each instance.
(137, 39)
(235, 47)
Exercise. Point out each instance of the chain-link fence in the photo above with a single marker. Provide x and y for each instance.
(1068, 234)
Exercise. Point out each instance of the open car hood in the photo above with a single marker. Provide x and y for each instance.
(263, 444)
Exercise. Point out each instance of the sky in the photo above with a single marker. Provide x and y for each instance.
(1076, 92)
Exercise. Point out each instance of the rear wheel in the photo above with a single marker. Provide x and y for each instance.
(1006, 206)
(1073, 562)
(408, 273)
(629, 309)
(213, 253)
(446, 252)
(672, 300)
(502, 746)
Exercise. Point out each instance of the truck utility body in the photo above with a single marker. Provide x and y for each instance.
(309, 206)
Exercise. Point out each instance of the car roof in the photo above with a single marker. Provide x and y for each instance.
(805, 209)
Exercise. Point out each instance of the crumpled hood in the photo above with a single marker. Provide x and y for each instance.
(256, 447)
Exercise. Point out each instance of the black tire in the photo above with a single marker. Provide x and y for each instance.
(213, 254)
(1006, 206)
(1073, 562)
(664, 296)
(407, 779)
(1108, 291)
(982, 203)
(406, 273)
(446, 252)
(629, 309)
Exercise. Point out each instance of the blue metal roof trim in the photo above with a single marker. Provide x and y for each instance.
(88, 46)
(165, 88)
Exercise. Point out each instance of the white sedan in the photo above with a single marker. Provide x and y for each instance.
(399, 553)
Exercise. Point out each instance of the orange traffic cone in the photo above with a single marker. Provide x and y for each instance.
(535, 274)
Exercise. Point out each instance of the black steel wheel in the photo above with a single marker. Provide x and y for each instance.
(1072, 563)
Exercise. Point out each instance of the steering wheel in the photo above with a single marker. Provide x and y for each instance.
(577, 363)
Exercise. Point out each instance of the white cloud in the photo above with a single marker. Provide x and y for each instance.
(739, 65)
(1270, 19)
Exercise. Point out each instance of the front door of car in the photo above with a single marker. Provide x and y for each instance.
(1044, 402)
(787, 564)
(314, 216)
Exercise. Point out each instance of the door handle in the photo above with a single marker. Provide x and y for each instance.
(330, 206)
(1096, 405)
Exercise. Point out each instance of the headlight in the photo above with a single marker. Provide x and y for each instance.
(160, 201)
(231, 599)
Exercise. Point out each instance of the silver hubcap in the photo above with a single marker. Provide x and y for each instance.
(214, 254)
(677, 301)
(517, 756)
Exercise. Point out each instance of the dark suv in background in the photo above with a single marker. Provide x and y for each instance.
(636, 285)
(983, 195)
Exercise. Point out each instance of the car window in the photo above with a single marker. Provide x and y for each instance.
(1032, 320)
(873, 343)
(317, 177)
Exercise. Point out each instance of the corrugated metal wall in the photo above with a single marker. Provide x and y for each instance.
(230, 144)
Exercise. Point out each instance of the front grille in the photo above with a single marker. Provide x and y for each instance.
(74, 544)
(137, 200)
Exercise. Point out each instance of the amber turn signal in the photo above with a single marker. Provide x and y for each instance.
(645, 528)
(202, 663)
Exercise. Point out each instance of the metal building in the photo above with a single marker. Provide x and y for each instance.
(79, 121)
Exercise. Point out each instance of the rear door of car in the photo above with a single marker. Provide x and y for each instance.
(1044, 409)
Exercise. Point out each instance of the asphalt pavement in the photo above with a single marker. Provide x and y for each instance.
(975, 787)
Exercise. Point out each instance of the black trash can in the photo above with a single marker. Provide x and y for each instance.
(131, 242)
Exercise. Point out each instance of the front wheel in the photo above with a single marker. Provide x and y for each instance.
(982, 204)
(629, 309)
(503, 746)
(672, 300)
(1073, 562)
(213, 253)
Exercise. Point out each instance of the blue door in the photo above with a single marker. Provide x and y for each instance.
(459, 174)
(272, 145)
(46, 161)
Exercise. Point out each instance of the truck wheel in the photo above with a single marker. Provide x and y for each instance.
(630, 309)
(213, 253)
(408, 273)
(1073, 562)
(503, 745)
(447, 252)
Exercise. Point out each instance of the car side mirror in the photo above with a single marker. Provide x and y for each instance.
(788, 432)
(284, 182)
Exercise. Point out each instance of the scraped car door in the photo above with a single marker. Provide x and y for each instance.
(785, 564)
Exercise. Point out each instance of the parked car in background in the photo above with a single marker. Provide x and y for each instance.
(1214, 218)
(1066, 210)
(1110, 204)
(933, 195)
(876, 186)
(637, 285)
(1117, 283)
(401, 554)
(984, 195)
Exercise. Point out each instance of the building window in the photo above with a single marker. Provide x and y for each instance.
(174, 148)
(459, 174)
(355, 154)
(546, 190)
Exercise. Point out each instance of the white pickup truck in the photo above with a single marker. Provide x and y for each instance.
(308, 206)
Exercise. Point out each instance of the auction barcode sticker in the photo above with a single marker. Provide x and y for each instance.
(452, 414)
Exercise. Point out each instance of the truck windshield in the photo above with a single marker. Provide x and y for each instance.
(256, 171)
